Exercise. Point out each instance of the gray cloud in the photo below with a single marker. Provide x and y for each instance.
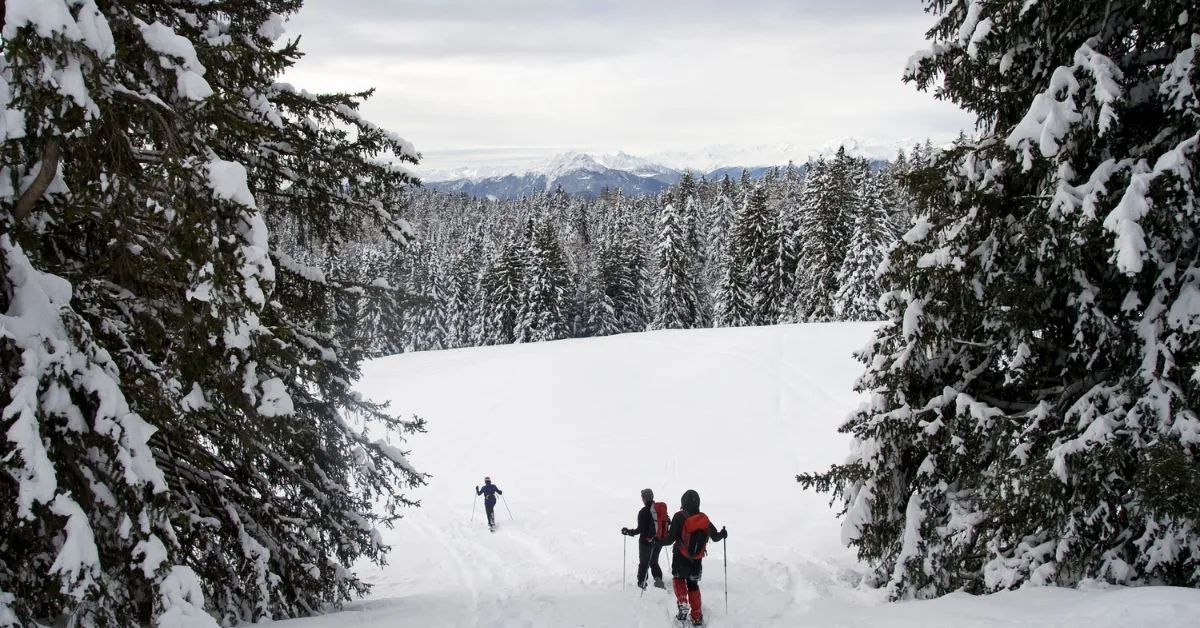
(483, 80)
(450, 41)
(619, 11)
(554, 30)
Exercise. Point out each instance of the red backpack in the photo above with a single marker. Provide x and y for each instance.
(662, 520)
(694, 536)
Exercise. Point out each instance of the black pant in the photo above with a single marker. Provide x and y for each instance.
(683, 568)
(489, 506)
(648, 558)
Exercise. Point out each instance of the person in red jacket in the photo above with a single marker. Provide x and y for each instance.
(690, 532)
(648, 545)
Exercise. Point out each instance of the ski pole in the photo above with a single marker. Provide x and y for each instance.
(473, 503)
(641, 588)
(506, 505)
(725, 559)
(624, 550)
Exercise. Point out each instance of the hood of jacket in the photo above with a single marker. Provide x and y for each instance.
(690, 501)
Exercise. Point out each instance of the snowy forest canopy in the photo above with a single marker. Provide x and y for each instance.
(801, 244)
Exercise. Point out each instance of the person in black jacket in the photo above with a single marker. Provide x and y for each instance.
(489, 492)
(685, 571)
(648, 546)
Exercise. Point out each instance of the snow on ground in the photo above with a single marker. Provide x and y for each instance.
(571, 431)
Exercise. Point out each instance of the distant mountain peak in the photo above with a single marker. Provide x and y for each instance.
(578, 172)
(723, 156)
(668, 163)
(566, 163)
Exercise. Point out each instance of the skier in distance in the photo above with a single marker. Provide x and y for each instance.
(489, 492)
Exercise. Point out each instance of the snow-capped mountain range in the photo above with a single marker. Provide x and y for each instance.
(575, 173)
(589, 174)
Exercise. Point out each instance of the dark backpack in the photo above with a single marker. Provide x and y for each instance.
(693, 539)
(662, 520)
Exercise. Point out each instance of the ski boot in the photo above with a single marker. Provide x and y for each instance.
(697, 621)
(658, 584)
(683, 613)
(641, 585)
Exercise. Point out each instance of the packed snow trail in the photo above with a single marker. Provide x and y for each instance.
(571, 431)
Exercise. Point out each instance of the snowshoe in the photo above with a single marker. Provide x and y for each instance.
(697, 622)
(683, 613)
(658, 584)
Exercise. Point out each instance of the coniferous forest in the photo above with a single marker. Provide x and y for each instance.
(800, 244)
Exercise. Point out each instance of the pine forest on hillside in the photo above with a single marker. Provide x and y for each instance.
(801, 244)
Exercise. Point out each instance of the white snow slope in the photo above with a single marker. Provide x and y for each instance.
(572, 430)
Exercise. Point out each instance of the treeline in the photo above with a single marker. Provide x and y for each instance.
(802, 243)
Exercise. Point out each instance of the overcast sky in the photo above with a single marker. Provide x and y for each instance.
(498, 82)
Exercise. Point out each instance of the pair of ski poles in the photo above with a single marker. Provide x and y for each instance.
(724, 561)
(475, 501)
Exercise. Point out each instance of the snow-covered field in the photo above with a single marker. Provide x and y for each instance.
(572, 430)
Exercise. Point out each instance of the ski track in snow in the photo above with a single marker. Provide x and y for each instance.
(572, 430)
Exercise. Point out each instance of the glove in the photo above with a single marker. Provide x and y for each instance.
(625, 531)
(724, 534)
(476, 489)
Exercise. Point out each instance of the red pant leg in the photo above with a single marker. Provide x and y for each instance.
(681, 592)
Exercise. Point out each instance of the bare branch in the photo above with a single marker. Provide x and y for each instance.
(29, 197)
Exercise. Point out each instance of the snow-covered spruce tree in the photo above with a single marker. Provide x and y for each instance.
(175, 392)
(748, 294)
(623, 282)
(603, 317)
(426, 324)
(637, 313)
(785, 206)
(464, 313)
(504, 292)
(685, 198)
(545, 306)
(677, 305)
(388, 311)
(858, 289)
(901, 198)
(579, 253)
(432, 331)
(824, 227)
(311, 159)
(719, 219)
(636, 306)
(1032, 413)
